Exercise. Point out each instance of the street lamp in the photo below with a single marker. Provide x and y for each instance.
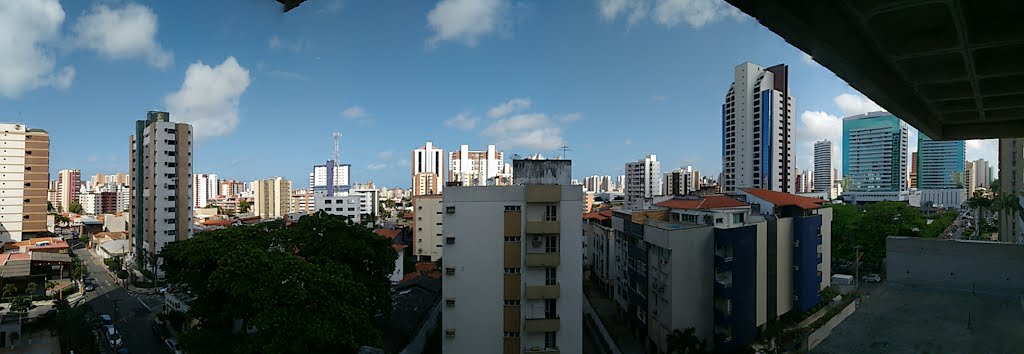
(857, 267)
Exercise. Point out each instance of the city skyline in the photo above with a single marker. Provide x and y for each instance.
(340, 83)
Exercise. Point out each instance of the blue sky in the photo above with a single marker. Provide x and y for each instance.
(613, 79)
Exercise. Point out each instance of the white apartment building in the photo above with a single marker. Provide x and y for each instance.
(91, 203)
(272, 198)
(348, 205)
(643, 181)
(982, 177)
(679, 182)
(427, 231)
(427, 170)
(479, 168)
(512, 255)
(823, 168)
(24, 181)
(757, 130)
(69, 185)
(331, 174)
(205, 188)
(369, 204)
(161, 187)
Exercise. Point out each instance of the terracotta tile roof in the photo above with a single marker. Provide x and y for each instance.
(389, 233)
(595, 215)
(707, 202)
(19, 256)
(217, 223)
(117, 235)
(785, 199)
(426, 266)
(407, 216)
(398, 247)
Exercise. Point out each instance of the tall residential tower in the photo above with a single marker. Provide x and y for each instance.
(940, 171)
(25, 171)
(643, 181)
(427, 170)
(823, 168)
(875, 158)
(757, 130)
(479, 168)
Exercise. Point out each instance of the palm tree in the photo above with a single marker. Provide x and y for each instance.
(979, 203)
(1008, 204)
(9, 290)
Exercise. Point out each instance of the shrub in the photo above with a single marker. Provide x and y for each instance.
(121, 274)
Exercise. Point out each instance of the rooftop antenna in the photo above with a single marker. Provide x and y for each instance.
(337, 154)
(564, 149)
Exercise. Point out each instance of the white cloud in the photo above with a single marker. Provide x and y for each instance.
(571, 117)
(464, 20)
(354, 112)
(815, 126)
(28, 31)
(852, 104)
(209, 97)
(987, 149)
(669, 13)
(511, 106)
(628, 142)
(376, 166)
(385, 155)
(285, 75)
(297, 45)
(122, 33)
(534, 131)
(462, 121)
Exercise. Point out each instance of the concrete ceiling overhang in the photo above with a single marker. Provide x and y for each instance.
(953, 69)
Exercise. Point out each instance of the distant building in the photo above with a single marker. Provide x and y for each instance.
(479, 168)
(302, 202)
(161, 192)
(25, 171)
(982, 174)
(823, 177)
(345, 205)
(427, 170)
(913, 168)
(678, 182)
(940, 171)
(331, 178)
(1011, 180)
(512, 256)
(427, 231)
(970, 177)
(230, 188)
(643, 181)
(875, 159)
(272, 198)
(757, 130)
(69, 185)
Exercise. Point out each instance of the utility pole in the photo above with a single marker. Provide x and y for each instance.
(857, 265)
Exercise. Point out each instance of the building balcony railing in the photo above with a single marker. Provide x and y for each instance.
(542, 227)
(541, 325)
(543, 351)
(542, 292)
(548, 259)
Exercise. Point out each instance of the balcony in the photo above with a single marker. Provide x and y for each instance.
(541, 325)
(542, 227)
(543, 193)
(542, 292)
(550, 259)
(543, 351)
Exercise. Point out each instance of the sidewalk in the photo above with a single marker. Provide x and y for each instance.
(607, 311)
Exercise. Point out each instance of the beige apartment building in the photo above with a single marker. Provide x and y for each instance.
(426, 227)
(272, 197)
(24, 181)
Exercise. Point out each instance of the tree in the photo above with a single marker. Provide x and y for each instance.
(867, 227)
(9, 290)
(75, 207)
(31, 289)
(49, 207)
(243, 207)
(313, 286)
(980, 204)
(74, 329)
(686, 342)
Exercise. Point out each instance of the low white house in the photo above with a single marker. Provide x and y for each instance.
(113, 248)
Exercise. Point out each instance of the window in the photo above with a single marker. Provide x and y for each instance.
(550, 276)
(511, 270)
(512, 239)
(737, 218)
(551, 308)
(513, 208)
(511, 334)
(550, 340)
(551, 213)
(511, 302)
(351, 209)
(718, 220)
(327, 209)
(327, 201)
(551, 244)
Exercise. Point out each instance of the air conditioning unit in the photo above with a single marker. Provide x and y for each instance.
(449, 270)
(449, 210)
(449, 240)
(450, 301)
(450, 332)
(537, 242)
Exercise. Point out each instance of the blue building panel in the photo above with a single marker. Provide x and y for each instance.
(742, 292)
(806, 280)
(766, 139)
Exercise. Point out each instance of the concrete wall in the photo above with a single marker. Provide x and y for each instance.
(977, 265)
(690, 285)
(541, 172)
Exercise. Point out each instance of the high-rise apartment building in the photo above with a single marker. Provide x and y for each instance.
(982, 174)
(678, 182)
(757, 130)
(913, 169)
(69, 185)
(940, 171)
(875, 158)
(204, 188)
(272, 198)
(427, 229)
(161, 187)
(1011, 180)
(969, 178)
(643, 181)
(479, 168)
(427, 170)
(598, 184)
(302, 202)
(620, 183)
(24, 173)
(331, 178)
(230, 188)
(823, 168)
(512, 256)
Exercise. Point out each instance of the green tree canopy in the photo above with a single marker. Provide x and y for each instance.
(686, 342)
(867, 227)
(243, 207)
(313, 286)
(75, 207)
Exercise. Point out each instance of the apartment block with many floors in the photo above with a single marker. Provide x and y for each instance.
(512, 256)
(272, 198)
(940, 171)
(161, 187)
(24, 181)
(875, 159)
(643, 181)
(204, 188)
(427, 170)
(427, 222)
(757, 130)
(1011, 180)
(822, 178)
(69, 185)
(479, 168)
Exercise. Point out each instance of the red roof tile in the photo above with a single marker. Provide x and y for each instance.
(398, 247)
(595, 215)
(785, 199)
(389, 233)
(19, 256)
(426, 266)
(218, 223)
(707, 202)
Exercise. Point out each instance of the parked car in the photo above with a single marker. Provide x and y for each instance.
(90, 287)
(106, 321)
(114, 338)
(871, 278)
(172, 344)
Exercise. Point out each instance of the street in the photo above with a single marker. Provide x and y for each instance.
(135, 313)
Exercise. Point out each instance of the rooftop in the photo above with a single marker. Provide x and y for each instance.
(781, 199)
(599, 215)
(701, 203)
(389, 233)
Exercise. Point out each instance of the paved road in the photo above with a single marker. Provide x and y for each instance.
(134, 315)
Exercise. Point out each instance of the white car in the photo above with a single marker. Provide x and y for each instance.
(172, 344)
(114, 338)
(872, 278)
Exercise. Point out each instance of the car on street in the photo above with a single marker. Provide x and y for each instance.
(114, 338)
(90, 287)
(872, 278)
(106, 320)
(172, 344)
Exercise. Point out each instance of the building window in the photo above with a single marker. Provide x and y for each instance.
(550, 340)
(550, 308)
(551, 244)
(327, 201)
(551, 213)
(511, 334)
(511, 302)
(737, 218)
(718, 220)
(515, 239)
(327, 209)
(550, 276)
(511, 270)
(513, 208)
